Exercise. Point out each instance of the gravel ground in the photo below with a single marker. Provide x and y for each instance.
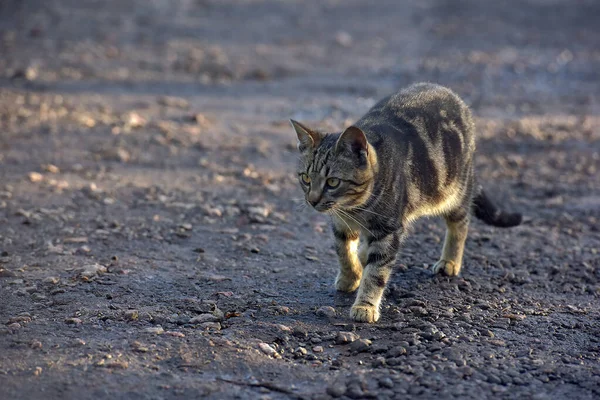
(151, 240)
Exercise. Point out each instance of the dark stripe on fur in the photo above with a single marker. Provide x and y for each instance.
(379, 281)
(452, 154)
(353, 192)
(423, 171)
(380, 258)
(356, 183)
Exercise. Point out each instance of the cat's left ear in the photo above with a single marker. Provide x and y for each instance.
(307, 138)
(353, 139)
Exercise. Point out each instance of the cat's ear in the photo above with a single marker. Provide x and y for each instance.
(307, 138)
(353, 139)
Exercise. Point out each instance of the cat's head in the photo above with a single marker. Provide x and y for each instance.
(335, 170)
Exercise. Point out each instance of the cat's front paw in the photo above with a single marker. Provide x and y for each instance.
(448, 268)
(364, 313)
(345, 283)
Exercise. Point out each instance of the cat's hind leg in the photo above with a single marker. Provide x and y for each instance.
(457, 226)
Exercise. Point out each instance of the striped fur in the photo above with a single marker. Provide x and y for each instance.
(410, 156)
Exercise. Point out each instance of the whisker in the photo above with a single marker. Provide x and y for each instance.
(297, 199)
(344, 213)
(301, 204)
(339, 217)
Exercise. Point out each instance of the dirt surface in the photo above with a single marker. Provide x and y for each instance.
(151, 243)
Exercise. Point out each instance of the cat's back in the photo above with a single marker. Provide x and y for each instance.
(422, 95)
(426, 101)
(420, 109)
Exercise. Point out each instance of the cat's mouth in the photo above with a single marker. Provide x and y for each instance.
(324, 207)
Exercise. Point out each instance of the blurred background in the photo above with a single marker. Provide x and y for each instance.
(239, 67)
(246, 65)
(146, 158)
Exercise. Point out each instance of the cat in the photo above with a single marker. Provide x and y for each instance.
(410, 156)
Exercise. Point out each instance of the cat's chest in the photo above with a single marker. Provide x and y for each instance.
(344, 221)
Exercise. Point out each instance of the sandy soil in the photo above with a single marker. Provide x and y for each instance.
(151, 246)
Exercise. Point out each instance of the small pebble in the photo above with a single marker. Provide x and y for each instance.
(35, 177)
(53, 169)
(38, 297)
(378, 362)
(199, 319)
(326, 311)
(174, 334)
(343, 38)
(379, 348)
(318, 349)
(51, 280)
(283, 328)
(116, 364)
(91, 270)
(283, 310)
(395, 361)
(360, 345)
(337, 389)
(139, 347)
(132, 315)
(210, 326)
(419, 311)
(157, 330)
(396, 352)
(346, 337)
(268, 350)
(14, 326)
(134, 120)
(4, 273)
(20, 318)
(488, 333)
(354, 391)
(386, 382)
(300, 332)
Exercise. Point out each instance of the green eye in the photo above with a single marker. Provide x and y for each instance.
(333, 182)
(305, 179)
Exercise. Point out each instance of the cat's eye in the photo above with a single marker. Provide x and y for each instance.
(333, 182)
(305, 179)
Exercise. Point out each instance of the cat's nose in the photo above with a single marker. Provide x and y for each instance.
(313, 199)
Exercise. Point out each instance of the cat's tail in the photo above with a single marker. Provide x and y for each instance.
(488, 212)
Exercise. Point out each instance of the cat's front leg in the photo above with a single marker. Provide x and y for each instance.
(381, 255)
(346, 244)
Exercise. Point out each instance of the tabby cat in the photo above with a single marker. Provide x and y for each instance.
(411, 155)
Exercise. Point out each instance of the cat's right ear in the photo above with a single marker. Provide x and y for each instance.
(307, 138)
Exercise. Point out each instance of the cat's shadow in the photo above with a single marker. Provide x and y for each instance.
(403, 284)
